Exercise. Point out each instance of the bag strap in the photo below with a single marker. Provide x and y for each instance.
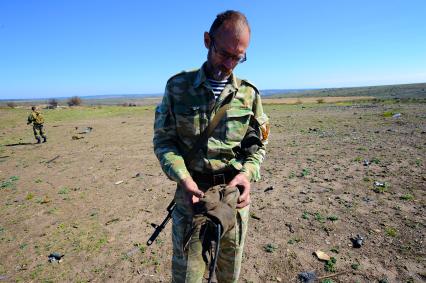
(206, 134)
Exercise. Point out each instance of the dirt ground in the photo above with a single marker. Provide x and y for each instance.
(93, 199)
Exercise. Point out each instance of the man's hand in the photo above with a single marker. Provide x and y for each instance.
(243, 184)
(193, 192)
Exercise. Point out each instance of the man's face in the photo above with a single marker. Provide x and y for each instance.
(226, 49)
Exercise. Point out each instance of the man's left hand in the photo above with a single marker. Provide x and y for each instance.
(243, 184)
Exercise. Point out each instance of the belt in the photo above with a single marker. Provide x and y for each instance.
(214, 179)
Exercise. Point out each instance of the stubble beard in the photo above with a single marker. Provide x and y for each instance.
(216, 72)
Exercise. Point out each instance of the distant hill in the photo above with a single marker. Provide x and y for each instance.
(387, 91)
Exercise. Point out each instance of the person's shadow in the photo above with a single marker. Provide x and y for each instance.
(21, 143)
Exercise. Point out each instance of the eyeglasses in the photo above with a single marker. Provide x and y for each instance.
(225, 55)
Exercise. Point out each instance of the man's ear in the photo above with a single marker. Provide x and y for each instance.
(207, 40)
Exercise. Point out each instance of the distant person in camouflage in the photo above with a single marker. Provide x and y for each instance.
(189, 104)
(37, 119)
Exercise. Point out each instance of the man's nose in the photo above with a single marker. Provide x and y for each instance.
(229, 63)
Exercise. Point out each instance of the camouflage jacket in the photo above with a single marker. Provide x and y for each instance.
(36, 118)
(185, 111)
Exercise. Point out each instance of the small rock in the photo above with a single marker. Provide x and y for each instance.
(307, 277)
(357, 241)
(55, 257)
(322, 255)
(119, 182)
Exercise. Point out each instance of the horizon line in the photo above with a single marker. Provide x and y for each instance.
(154, 95)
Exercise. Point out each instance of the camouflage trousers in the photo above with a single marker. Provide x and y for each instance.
(38, 129)
(188, 265)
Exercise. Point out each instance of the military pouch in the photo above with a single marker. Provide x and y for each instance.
(218, 206)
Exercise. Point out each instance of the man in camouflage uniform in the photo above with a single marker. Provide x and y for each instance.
(37, 119)
(188, 105)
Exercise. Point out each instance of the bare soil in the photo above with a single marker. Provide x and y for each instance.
(93, 199)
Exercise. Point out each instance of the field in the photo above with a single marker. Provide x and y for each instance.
(333, 171)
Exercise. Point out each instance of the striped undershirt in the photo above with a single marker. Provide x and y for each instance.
(217, 86)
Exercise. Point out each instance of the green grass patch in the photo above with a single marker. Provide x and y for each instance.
(418, 162)
(294, 240)
(388, 114)
(391, 231)
(330, 265)
(358, 159)
(407, 197)
(305, 172)
(270, 248)
(82, 113)
(333, 218)
(29, 196)
(14, 117)
(9, 183)
(141, 247)
(23, 246)
(319, 217)
(63, 191)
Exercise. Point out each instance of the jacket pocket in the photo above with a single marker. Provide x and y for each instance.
(237, 122)
(189, 121)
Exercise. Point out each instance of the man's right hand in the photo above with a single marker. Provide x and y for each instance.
(191, 188)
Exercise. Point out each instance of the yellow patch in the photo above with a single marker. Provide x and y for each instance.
(265, 128)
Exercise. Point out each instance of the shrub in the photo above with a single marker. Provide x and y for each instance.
(11, 104)
(53, 103)
(74, 101)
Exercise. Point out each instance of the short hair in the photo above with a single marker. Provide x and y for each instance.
(33, 108)
(229, 15)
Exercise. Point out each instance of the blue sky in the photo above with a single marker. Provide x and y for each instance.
(53, 48)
